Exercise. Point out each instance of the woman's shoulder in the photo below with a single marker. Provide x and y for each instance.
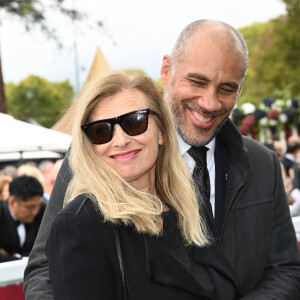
(82, 205)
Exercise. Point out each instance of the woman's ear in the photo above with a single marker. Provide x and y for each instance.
(160, 138)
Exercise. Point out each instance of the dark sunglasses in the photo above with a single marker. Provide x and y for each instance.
(133, 123)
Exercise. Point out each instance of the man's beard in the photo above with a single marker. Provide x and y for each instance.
(185, 134)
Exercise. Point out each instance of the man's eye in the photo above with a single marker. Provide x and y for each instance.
(197, 82)
(227, 90)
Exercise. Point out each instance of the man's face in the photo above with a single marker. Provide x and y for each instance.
(202, 88)
(25, 211)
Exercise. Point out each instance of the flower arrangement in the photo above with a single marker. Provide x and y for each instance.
(272, 119)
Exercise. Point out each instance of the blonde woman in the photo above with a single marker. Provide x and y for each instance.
(131, 227)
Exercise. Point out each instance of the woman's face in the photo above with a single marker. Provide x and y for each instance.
(133, 157)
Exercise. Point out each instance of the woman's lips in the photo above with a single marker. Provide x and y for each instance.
(125, 155)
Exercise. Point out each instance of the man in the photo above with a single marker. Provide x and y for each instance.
(45, 167)
(203, 79)
(289, 160)
(20, 218)
(49, 171)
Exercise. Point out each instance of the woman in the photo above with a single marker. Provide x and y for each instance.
(131, 228)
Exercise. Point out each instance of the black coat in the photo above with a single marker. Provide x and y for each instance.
(257, 233)
(84, 264)
(9, 238)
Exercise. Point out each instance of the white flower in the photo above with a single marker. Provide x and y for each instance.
(264, 122)
(273, 123)
(289, 102)
(263, 107)
(283, 118)
(279, 105)
(247, 108)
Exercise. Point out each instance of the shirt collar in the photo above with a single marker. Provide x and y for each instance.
(12, 215)
(184, 147)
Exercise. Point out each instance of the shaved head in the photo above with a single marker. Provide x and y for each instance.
(219, 33)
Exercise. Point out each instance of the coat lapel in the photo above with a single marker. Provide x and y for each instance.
(163, 268)
(214, 257)
(221, 166)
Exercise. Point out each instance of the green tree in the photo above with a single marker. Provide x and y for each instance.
(274, 57)
(134, 71)
(38, 98)
(33, 13)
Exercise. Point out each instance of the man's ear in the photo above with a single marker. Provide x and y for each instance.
(165, 72)
(12, 202)
(240, 90)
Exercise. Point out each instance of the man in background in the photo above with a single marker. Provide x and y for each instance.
(20, 218)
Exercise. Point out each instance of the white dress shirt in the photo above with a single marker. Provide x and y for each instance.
(21, 230)
(210, 159)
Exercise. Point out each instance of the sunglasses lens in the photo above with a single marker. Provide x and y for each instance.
(100, 133)
(135, 124)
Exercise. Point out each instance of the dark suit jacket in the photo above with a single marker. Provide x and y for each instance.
(83, 262)
(9, 238)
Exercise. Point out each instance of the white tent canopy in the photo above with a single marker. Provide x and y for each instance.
(18, 136)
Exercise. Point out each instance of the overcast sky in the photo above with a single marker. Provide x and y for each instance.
(136, 33)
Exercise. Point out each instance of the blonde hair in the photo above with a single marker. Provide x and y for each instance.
(116, 199)
(30, 170)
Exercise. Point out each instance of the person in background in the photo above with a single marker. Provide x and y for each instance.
(5, 180)
(289, 159)
(45, 167)
(32, 170)
(278, 149)
(53, 174)
(20, 218)
(10, 170)
(249, 213)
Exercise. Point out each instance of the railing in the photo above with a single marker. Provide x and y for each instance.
(296, 221)
(11, 279)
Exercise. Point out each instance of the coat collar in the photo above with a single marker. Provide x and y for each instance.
(165, 269)
(239, 167)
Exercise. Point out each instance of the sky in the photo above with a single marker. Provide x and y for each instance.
(136, 34)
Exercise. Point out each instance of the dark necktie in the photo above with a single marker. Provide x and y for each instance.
(200, 174)
(17, 223)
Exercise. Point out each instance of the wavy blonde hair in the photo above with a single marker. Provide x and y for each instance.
(116, 199)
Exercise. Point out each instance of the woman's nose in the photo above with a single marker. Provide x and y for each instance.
(120, 138)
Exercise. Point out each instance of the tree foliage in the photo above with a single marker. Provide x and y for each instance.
(38, 98)
(274, 57)
(33, 12)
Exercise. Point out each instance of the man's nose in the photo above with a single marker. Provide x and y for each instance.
(209, 100)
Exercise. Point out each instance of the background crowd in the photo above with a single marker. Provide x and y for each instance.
(24, 194)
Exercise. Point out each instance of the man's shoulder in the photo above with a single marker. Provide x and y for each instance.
(80, 212)
(254, 147)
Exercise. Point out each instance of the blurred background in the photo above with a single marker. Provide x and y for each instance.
(48, 47)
